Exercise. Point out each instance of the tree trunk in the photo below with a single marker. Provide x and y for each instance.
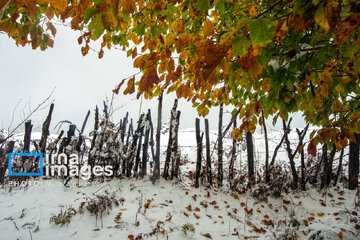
(151, 143)
(339, 167)
(27, 136)
(93, 140)
(146, 145)
(5, 162)
(267, 174)
(199, 152)
(80, 140)
(354, 162)
(290, 154)
(138, 151)
(156, 174)
(208, 157)
(27, 141)
(328, 162)
(302, 156)
(175, 154)
(280, 143)
(220, 148)
(123, 128)
(45, 129)
(132, 150)
(250, 152)
(170, 142)
(70, 134)
(233, 156)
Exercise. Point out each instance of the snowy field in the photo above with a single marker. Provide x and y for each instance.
(138, 209)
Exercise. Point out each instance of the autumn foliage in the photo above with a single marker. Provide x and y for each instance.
(275, 57)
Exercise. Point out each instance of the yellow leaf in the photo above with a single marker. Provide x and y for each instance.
(59, 5)
(265, 85)
(341, 235)
(339, 88)
(177, 26)
(184, 55)
(208, 28)
(324, 91)
(325, 77)
(321, 214)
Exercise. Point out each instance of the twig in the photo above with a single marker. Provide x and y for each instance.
(30, 114)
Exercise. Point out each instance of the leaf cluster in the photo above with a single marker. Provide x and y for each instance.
(270, 57)
(63, 217)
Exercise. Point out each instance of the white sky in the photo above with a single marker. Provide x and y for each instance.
(81, 83)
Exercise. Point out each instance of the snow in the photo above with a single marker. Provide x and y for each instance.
(223, 218)
(219, 213)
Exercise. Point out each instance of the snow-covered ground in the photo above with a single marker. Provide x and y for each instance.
(172, 209)
(26, 212)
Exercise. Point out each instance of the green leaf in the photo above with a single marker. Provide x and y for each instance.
(140, 29)
(195, 104)
(89, 13)
(96, 26)
(220, 6)
(129, 52)
(261, 31)
(321, 18)
(202, 5)
(240, 46)
(234, 66)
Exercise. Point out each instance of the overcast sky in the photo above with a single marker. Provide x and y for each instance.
(80, 84)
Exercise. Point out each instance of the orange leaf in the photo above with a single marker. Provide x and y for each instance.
(252, 11)
(207, 235)
(341, 235)
(148, 80)
(346, 27)
(134, 53)
(129, 5)
(147, 204)
(312, 147)
(101, 53)
(116, 90)
(130, 86)
(189, 208)
(80, 40)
